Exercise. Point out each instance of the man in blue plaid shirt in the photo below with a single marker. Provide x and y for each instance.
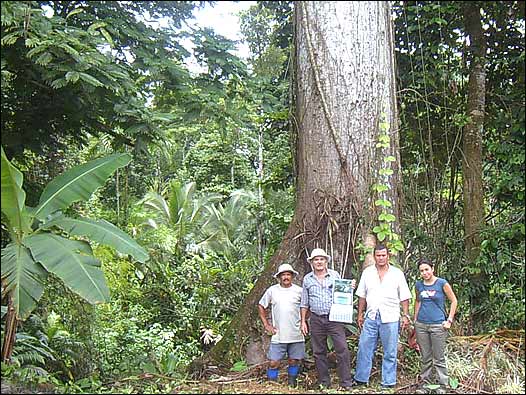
(316, 299)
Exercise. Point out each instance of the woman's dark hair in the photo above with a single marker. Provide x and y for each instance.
(425, 261)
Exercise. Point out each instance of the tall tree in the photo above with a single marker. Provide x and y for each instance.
(346, 143)
(472, 147)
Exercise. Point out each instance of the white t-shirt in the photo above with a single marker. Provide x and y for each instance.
(285, 306)
(384, 296)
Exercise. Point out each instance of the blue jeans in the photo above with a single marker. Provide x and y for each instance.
(367, 346)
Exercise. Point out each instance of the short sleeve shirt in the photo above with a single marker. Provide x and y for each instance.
(317, 295)
(432, 299)
(384, 296)
(285, 310)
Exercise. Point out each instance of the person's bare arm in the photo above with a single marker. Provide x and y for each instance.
(417, 309)
(453, 308)
(362, 304)
(405, 310)
(263, 316)
(304, 312)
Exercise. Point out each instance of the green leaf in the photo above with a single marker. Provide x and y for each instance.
(383, 203)
(239, 366)
(453, 382)
(385, 172)
(107, 37)
(380, 187)
(74, 12)
(389, 158)
(71, 51)
(90, 79)
(384, 138)
(101, 232)
(10, 39)
(386, 217)
(72, 262)
(72, 76)
(397, 244)
(95, 26)
(59, 83)
(23, 278)
(44, 59)
(78, 183)
(13, 196)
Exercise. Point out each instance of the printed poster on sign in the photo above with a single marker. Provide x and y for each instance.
(342, 299)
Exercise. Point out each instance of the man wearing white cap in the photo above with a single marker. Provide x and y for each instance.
(317, 299)
(287, 339)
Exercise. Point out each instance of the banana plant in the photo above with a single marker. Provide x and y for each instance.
(41, 239)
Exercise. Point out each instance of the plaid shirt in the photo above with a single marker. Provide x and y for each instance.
(316, 296)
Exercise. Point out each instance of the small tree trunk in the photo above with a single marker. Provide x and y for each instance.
(472, 149)
(10, 332)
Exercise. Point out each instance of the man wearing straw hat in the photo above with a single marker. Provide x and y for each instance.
(287, 339)
(316, 298)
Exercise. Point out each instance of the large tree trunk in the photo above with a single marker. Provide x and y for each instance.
(344, 90)
(472, 149)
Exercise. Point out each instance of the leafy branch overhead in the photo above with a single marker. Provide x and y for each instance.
(97, 64)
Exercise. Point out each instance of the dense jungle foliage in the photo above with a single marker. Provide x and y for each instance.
(208, 191)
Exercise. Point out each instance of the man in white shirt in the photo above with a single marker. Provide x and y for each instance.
(382, 289)
(287, 339)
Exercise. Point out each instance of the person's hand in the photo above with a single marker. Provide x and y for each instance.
(304, 328)
(271, 330)
(446, 324)
(405, 321)
(360, 321)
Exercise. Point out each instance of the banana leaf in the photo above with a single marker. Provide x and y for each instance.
(78, 183)
(23, 277)
(13, 196)
(102, 232)
(72, 262)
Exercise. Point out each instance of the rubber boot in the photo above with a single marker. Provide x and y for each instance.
(272, 374)
(293, 371)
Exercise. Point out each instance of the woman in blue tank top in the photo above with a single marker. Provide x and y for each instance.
(432, 323)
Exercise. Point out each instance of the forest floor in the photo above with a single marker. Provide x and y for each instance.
(255, 382)
(483, 364)
(262, 386)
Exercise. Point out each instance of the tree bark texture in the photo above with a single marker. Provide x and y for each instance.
(344, 89)
(472, 144)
